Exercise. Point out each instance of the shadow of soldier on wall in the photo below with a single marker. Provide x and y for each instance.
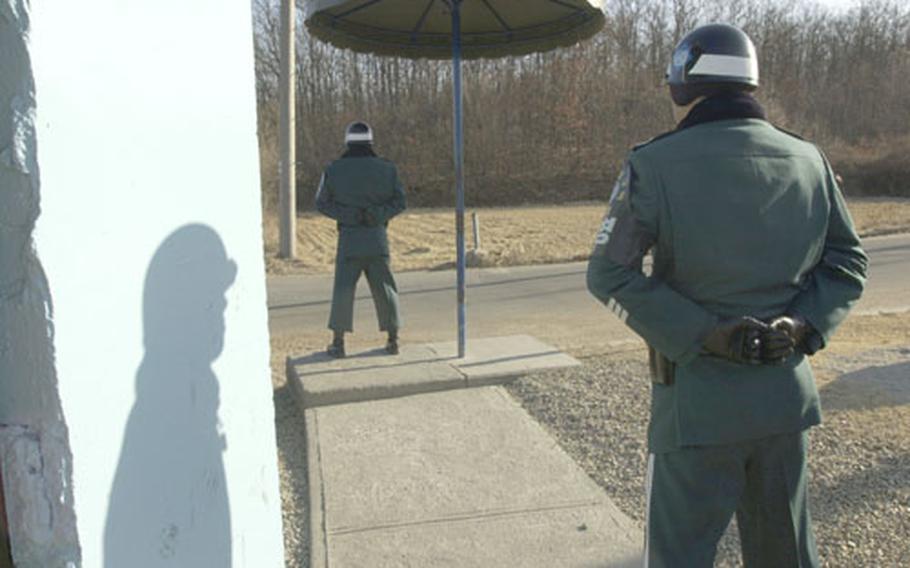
(169, 503)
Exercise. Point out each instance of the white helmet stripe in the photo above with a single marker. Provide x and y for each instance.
(358, 137)
(726, 66)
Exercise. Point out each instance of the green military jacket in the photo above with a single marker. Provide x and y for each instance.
(742, 219)
(361, 193)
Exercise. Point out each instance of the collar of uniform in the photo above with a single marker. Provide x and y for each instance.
(724, 106)
(359, 151)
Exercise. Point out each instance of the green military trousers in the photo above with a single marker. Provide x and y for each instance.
(382, 287)
(694, 492)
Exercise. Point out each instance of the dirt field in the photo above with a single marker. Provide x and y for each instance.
(424, 239)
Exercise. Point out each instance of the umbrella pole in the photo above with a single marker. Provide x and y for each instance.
(459, 173)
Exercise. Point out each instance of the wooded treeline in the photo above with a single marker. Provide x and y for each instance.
(555, 127)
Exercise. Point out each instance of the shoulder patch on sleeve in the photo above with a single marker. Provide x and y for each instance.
(621, 187)
(622, 238)
(618, 205)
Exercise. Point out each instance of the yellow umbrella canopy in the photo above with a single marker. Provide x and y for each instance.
(423, 28)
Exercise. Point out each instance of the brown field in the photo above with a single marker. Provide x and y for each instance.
(424, 239)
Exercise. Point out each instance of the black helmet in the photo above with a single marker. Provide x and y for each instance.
(711, 59)
(358, 133)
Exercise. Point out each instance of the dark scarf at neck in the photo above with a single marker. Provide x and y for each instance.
(359, 151)
(723, 106)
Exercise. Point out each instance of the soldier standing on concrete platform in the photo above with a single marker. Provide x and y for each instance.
(362, 192)
(755, 263)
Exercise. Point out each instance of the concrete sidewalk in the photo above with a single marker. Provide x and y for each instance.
(321, 380)
(452, 476)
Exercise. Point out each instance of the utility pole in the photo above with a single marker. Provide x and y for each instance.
(287, 140)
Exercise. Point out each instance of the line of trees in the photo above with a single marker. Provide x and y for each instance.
(555, 127)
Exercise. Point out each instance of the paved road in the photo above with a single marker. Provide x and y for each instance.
(550, 302)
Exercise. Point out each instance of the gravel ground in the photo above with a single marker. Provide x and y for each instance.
(859, 460)
(859, 457)
(292, 471)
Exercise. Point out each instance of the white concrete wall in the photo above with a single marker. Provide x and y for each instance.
(150, 238)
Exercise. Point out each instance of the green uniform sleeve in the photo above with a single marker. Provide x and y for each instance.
(326, 204)
(668, 321)
(382, 212)
(837, 281)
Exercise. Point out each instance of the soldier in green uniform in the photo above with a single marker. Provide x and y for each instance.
(755, 263)
(362, 193)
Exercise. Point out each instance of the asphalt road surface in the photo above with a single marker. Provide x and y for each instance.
(550, 302)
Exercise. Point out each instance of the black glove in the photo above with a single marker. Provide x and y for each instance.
(776, 346)
(737, 339)
(795, 327)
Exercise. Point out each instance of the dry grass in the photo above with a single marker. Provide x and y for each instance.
(424, 239)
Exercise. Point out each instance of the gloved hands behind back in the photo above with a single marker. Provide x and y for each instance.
(794, 326)
(748, 340)
(367, 217)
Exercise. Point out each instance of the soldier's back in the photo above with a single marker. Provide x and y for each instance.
(744, 213)
(362, 181)
(743, 210)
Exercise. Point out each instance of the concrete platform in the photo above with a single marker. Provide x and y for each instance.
(458, 478)
(373, 375)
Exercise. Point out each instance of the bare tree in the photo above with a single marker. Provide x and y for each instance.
(555, 127)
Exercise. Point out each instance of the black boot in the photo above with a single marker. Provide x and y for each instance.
(336, 348)
(391, 346)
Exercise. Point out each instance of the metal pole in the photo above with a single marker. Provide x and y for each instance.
(459, 173)
(287, 191)
(476, 219)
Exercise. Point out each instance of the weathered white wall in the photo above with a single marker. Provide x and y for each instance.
(149, 235)
(34, 449)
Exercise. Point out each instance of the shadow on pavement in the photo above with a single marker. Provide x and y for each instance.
(349, 363)
(522, 357)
